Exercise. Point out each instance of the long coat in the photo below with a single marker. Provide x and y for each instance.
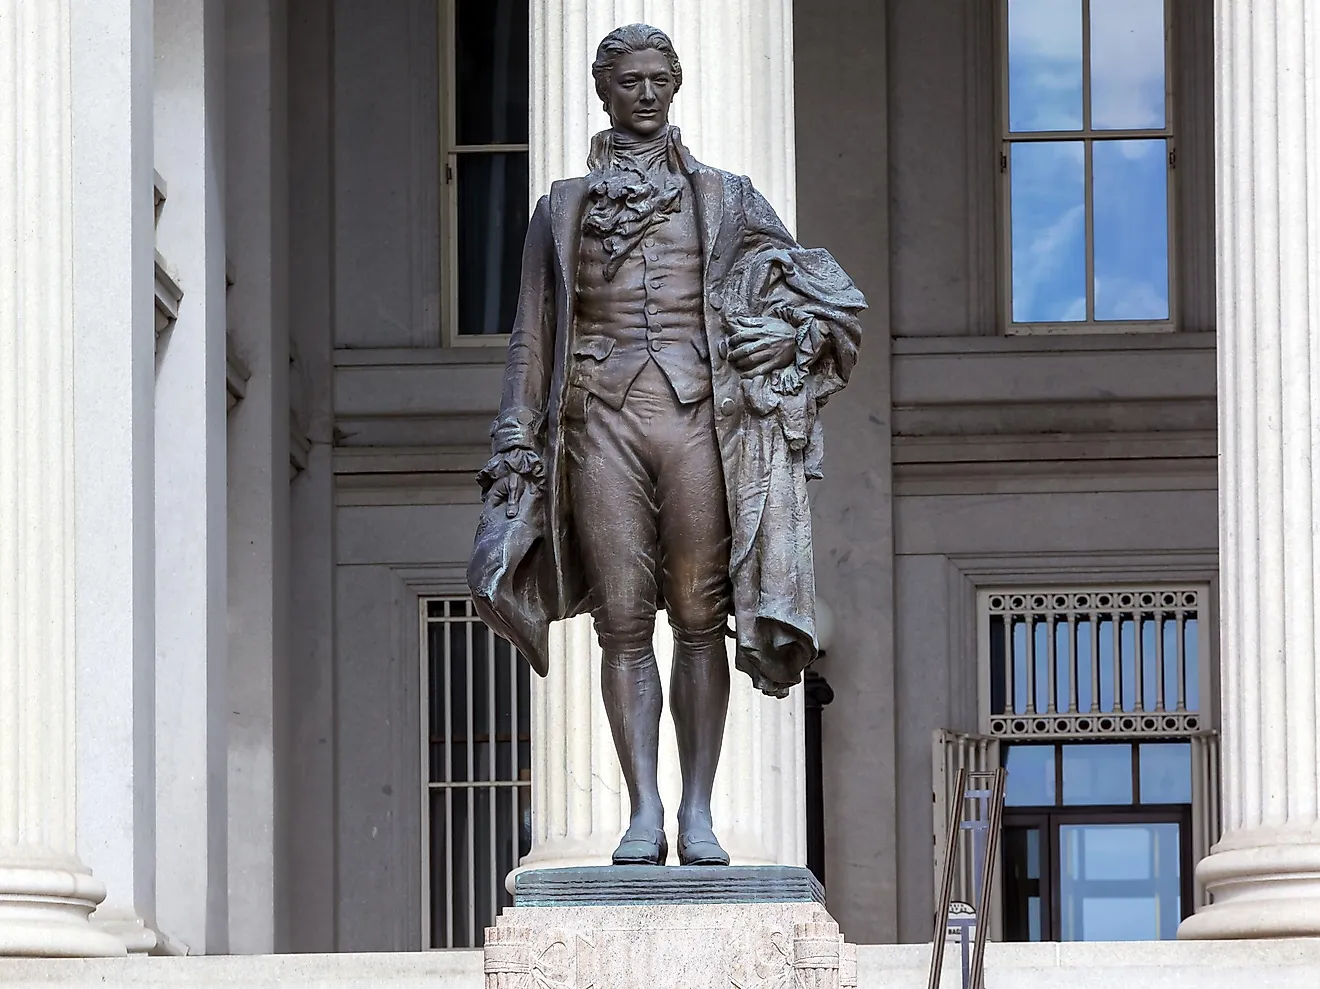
(525, 573)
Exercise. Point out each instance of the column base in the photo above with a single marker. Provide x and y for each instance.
(137, 936)
(1261, 891)
(45, 913)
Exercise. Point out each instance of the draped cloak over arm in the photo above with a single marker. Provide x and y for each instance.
(781, 444)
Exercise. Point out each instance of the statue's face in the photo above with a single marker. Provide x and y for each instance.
(641, 89)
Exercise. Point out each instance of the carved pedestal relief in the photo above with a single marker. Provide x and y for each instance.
(813, 956)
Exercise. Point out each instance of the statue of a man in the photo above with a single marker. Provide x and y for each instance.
(657, 428)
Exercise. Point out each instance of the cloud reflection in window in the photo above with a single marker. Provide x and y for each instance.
(1129, 229)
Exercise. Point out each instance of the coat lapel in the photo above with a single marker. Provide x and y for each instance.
(710, 205)
(709, 185)
(566, 200)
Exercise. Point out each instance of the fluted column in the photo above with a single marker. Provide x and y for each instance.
(735, 106)
(1265, 871)
(736, 111)
(46, 893)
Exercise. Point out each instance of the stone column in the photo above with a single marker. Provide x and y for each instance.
(256, 232)
(114, 357)
(46, 893)
(736, 112)
(1265, 871)
(191, 614)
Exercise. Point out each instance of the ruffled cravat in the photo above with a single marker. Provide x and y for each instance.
(633, 189)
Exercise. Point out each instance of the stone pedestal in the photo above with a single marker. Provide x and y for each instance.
(668, 928)
(729, 55)
(1264, 873)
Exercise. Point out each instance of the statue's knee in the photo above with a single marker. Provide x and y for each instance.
(700, 630)
(625, 640)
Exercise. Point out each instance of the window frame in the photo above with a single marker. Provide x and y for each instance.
(1005, 139)
(449, 151)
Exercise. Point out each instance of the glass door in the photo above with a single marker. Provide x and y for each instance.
(1120, 881)
(1088, 875)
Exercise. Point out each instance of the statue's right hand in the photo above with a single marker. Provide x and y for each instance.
(508, 491)
(509, 478)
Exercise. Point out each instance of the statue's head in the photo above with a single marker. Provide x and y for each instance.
(637, 73)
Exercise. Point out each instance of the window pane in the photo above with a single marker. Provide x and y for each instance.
(1049, 232)
(1150, 669)
(999, 699)
(1191, 641)
(1044, 65)
(491, 71)
(492, 224)
(1131, 229)
(1097, 774)
(1127, 64)
(1030, 780)
(1166, 773)
(1119, 882)
(1022, 884)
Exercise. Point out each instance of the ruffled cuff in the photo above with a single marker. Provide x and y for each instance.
(526, 463)
(516, 429)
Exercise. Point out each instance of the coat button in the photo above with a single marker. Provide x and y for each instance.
(652, 308)
(716, 301)
(656, 346)
(726, 407)
(650, 242)
(722, 348)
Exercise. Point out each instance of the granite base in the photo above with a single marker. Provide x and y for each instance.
(668, 928)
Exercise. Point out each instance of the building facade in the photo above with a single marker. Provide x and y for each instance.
(258, 267)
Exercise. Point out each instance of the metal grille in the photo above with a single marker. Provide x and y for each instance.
(1088, 662)
(478, 770)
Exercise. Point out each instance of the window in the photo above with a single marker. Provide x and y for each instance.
(1095, 700)
(1097, 841)
(1087, 163)
(477, 762)
(484, 134)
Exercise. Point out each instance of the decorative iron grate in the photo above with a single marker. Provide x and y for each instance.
(1093, 662)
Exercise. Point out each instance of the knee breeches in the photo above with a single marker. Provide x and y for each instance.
(652, 524)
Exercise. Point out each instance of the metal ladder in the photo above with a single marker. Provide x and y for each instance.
(984, 791)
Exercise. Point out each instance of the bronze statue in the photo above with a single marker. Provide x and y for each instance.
(672, 347)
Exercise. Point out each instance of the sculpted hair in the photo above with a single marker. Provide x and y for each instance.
(625, 40)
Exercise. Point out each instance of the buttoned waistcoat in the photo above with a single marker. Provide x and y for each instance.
(651, 310)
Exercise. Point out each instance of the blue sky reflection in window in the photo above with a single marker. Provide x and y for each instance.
(1087, 106)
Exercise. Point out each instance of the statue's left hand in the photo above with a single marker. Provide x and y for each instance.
(761, 344)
